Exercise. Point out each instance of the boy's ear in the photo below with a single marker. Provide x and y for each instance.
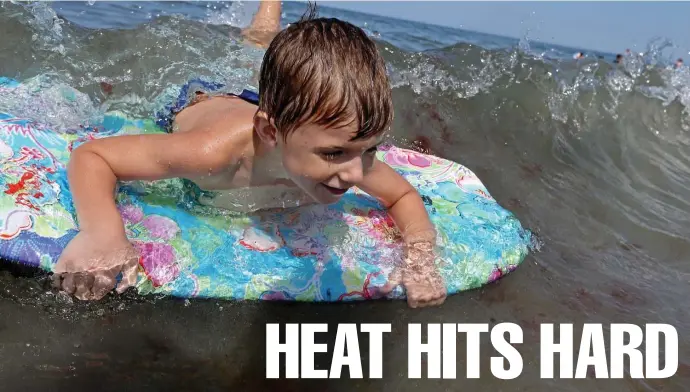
(265, 129)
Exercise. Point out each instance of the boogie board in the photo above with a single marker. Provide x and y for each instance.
(317, 253)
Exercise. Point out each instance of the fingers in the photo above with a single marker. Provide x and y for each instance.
(68, 285)
(94, 278)
(87, 286)
(83, 282)
(426, 299)
(129, 275)
(394, 280)
(438, 297)
(418, 296)
(104, 282)
(94, 285)
(425, 291)
(56, 281)
(77, 284)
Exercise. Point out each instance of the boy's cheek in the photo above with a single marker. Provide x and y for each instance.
(310, 166)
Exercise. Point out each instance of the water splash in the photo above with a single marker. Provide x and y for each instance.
(236, 14)
(47, 27)
(50, 99)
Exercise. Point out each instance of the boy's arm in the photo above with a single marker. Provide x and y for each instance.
(418, 273)
(95, 167)
(402, 201)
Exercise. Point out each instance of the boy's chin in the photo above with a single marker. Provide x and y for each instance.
(327, 199)
(323, 196)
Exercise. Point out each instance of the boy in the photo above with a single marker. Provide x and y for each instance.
(324, 105)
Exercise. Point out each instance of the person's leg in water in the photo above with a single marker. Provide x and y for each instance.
(265, 24)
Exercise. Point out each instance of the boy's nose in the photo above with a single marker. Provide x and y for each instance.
(353, 173)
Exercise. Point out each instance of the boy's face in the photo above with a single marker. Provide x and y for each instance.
(324, 162)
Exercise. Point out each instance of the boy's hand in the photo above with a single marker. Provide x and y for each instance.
(89, 266)
(419, 276)
(417, 273)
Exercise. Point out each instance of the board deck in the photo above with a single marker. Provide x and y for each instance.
(338, 252)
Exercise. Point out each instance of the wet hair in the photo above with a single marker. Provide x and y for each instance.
(328, 72)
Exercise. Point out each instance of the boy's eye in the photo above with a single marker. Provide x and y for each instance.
(332, 154)
(372, 150)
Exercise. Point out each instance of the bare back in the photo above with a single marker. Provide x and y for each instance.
(208, 112)
(237, 187)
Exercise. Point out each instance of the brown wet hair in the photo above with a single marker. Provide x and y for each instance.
(328, 72)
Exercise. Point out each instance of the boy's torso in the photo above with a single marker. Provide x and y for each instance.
(236, 188)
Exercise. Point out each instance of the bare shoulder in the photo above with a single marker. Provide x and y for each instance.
(217, 117)
(220, 128)
(211, 114)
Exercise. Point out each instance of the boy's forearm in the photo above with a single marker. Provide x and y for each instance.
(412, 219)
(92, 183)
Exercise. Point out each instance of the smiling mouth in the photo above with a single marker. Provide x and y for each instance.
(335, 191)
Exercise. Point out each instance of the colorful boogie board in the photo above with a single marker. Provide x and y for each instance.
(340, 252)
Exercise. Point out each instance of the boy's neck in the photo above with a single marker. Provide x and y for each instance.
(267, 166)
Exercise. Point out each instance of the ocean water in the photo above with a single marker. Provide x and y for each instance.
(592, 156)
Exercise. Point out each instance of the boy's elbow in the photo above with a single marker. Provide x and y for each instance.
(77, 155)
(81, 153)
(407, 192)
(86, 148)
(86, 158)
